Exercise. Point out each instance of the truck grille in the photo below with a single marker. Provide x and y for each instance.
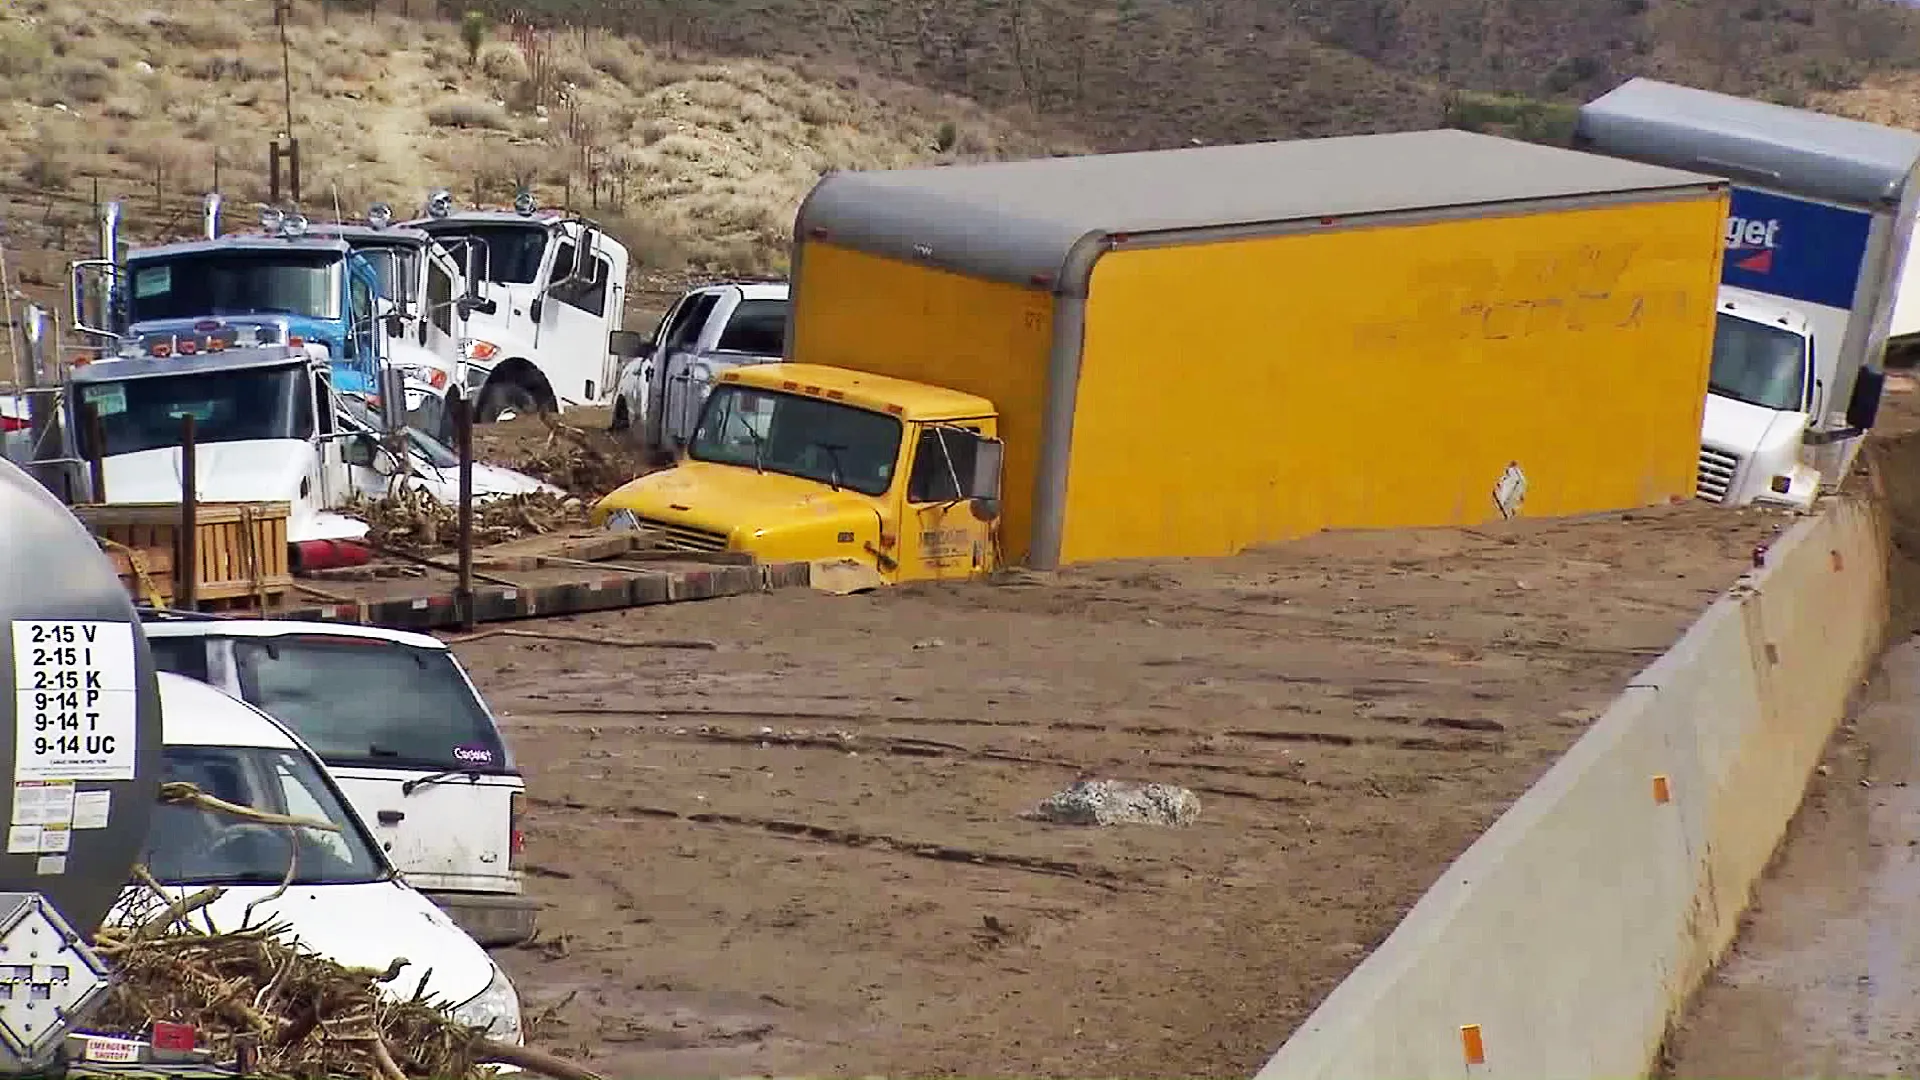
(1717, 468)
(675, 537)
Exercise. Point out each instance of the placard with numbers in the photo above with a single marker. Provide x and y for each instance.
(75, 702)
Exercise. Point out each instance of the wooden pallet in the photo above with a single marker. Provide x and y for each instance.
(240, 549)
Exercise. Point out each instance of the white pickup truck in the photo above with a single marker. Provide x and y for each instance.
(707, 331)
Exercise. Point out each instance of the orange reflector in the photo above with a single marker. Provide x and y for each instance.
(895, 410)
(1472, 1045)
(163, 351)
(1662, 790)
(810, 389)
(837, 395)
(789, 385)
(215, 345)
(296, 341)
(81, 360)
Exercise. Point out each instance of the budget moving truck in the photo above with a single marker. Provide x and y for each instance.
(1818, 226)
(1188, 352)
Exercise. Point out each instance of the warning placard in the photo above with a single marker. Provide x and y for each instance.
(74, 699)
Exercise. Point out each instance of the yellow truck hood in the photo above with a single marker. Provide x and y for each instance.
(727, 498)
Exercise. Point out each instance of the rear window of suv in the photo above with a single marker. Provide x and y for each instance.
(364, 701)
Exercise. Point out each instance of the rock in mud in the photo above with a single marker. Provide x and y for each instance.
(1116, 802)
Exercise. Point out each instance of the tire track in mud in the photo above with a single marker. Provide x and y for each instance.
(1098, 876)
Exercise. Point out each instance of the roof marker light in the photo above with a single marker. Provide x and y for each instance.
(379, 215)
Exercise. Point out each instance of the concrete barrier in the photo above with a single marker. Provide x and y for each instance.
(1568, 937)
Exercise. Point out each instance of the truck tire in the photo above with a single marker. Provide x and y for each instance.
(508, 395)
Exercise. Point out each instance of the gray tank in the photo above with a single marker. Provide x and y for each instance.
(83, 759)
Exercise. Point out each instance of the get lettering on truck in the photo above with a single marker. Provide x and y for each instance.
(404, 732)
(1816, 234)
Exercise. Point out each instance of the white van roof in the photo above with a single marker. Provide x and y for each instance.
(193, 713)
(191, 627)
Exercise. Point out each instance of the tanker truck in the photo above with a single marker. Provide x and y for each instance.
(85, 758)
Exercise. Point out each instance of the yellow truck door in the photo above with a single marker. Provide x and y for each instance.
(940, 537)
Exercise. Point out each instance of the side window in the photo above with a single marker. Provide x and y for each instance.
(941, 463)
(182, 656)
(692, 320)
(440, 298)
(588, 296)
(300, 802)
(562, 262)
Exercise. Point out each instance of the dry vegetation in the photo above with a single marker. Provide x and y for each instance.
(695, 161)
(1163, 72)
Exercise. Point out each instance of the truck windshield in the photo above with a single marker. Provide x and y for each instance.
(799, 436)
(226, 406)
(187, 845)
(236, 283)
(1758, 364)
(396, 269)
(409, 707)
(513, 252)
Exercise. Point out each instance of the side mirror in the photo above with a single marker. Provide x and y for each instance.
(396, 325)
(627, 344)
(534, 309)
(1864, 406)
(470, 304)
(983, 487)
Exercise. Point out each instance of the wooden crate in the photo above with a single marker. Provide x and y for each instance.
(146, 572)
(240, 548)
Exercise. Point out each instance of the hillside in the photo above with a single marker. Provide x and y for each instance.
(690, 160)
(1136, 73)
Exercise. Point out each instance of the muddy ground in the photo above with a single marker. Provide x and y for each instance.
(804, 850)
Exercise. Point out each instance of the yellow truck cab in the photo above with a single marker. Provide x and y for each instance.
(810, 463)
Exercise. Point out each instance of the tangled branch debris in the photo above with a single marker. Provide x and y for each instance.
(410, 519)
(300, 1015)
(587, 464)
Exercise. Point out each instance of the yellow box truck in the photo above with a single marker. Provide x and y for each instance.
(1188, 352)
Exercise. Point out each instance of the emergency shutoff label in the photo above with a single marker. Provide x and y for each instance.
(74, 701)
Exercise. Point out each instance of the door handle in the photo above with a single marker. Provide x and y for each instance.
(391, 817)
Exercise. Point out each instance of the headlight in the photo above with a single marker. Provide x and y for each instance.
(497, 1009)
(477, 349)
(426, 375)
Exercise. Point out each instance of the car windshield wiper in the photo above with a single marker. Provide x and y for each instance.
(441, 777)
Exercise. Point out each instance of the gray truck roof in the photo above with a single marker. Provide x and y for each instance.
(1020, 221)
(393, 235)
(1751, 142)
(146, 367)
(243, 242)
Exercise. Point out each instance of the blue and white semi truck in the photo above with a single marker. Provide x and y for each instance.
(1821, 215)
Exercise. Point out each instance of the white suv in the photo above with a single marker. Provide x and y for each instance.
(401, 728)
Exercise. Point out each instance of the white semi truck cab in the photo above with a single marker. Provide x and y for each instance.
(545, 332)
(265, 425)
(1818, 227)
(1762, 396)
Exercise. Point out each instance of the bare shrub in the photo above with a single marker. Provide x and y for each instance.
(467, 113)
(84, 82)
(502, 62)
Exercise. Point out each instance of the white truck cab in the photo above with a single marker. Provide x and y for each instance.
(425, 298)
(344, 901)
(1763, 393)
(545, 332)
(402, 728)
(264, 423)
(1820, 217)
